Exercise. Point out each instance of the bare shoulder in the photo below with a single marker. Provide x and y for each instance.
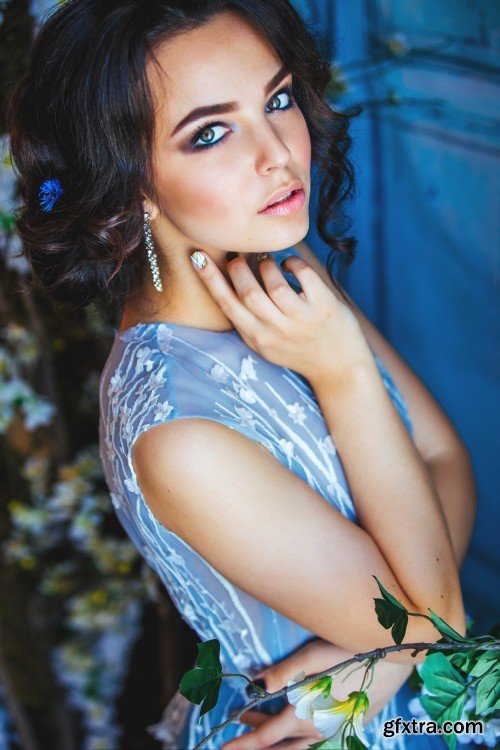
(260, 525)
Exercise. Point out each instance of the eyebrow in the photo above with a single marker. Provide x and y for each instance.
(220, 109)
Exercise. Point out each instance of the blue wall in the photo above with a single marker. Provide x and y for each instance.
(426, 217)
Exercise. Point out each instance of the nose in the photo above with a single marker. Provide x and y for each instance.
(272, 151)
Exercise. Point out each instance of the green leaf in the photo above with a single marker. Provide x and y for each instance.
(450, 740)
(196, 683)
(446, 629)
(486, 661)
(448, 689)
(354, 743)
(462, 659)
(391, 613)
(389, 597)
(326, 745)
(389, 616)
(209, 655)
(488, 692)
(202, 684)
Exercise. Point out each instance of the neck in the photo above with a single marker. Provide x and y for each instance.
(185, 298)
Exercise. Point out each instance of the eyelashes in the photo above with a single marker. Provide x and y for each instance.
(210, 126)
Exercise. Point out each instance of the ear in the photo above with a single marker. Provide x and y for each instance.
(151, 208)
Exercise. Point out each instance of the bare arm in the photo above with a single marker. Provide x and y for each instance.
(444, 453)
(245, 516)
(406, 521)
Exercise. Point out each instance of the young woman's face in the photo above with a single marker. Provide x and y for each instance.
(215, 173)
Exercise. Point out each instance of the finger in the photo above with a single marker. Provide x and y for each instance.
(254, 718)
(294, 743)
(253, 296)
(311, 282)
(278, 288)
(221, 291)
(268, 732)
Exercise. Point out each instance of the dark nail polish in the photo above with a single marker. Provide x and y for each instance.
(231, 255)
(249, 688)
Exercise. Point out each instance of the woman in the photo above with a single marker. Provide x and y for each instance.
(163, 135)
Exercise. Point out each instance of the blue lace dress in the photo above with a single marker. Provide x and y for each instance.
(161, 371)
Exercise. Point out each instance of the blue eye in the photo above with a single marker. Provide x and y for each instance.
(213, 125)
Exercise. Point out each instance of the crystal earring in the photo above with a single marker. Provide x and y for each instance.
(153, 260)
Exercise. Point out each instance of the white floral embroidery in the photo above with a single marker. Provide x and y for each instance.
(131, 485)
(115, 384)
(287, 447)
(328, 445)
(127, 431)
(141, 390)
(280, 410)
(115, 499)
(219, 373)
(164, 335)
(142, 360)
(242, 661)
(125, 414)
(245, 393)
(245, 416)
(162, 411)
(296, 412)
(157, 379)
(247, 368)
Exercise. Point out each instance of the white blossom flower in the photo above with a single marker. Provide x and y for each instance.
(338, 720)
(37, 411)
(303, 696)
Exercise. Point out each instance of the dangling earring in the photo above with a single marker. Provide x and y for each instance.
(153, 260)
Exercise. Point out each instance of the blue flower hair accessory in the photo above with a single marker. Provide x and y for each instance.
(50, 191)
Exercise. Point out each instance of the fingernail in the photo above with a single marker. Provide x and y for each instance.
(198, 259)
(231, 255)
(261, 256)
(260, 682)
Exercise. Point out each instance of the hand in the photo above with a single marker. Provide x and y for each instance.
(313, 332)
(316, 656)
(299, 733)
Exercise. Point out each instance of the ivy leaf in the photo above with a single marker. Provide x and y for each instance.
(202, 684)
(446, 629)
(389, 597)
(391, 614)
(450, 692)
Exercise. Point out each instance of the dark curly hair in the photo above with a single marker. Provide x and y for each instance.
(83, 113)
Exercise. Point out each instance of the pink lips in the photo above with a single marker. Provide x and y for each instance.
(289, 206)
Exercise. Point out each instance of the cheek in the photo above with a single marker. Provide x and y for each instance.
(198, 192)
(301, 142)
